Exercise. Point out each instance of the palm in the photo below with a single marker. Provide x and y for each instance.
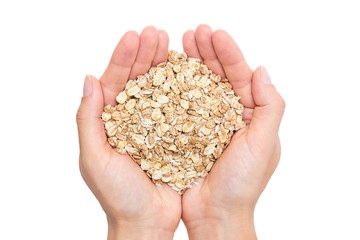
(235, 175)
(132, 194)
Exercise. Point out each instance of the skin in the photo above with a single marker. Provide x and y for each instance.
(221, 206)
(135, 207)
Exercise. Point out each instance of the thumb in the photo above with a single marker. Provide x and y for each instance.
(88, 118)
(270, 105)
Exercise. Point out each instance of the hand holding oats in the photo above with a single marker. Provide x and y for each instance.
(135, 207)
(222, 205)
(200, 123)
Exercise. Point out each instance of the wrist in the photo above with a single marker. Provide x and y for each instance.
(212, 225)
(136, 230)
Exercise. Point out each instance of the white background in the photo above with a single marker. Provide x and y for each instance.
(310, 48)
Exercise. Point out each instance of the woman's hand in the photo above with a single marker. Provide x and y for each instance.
(135, 207)
(222, 205)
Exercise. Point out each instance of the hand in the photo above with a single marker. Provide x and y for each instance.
(222, 205)
(135, 207)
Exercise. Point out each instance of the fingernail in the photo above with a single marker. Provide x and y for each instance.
(87, 86)
(265, 76)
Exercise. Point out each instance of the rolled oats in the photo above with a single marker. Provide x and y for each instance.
(175, 120)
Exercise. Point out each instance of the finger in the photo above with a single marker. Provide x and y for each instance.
(162, 48)
(189, 45)
(270, 105)
(90, 126)
(235, 66)
(203, 41)
(117, 72)
(247, 113)
(146, 53)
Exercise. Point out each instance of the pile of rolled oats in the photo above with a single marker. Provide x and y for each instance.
(175, 120)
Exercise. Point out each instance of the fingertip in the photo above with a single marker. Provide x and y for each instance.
(149, 38)
(151, 27)
(222, 41)
(163, 41)
(87, 89)
(203, 28)
(92, 103)
(95, 82)
(91, 77)
(188, 36)
(265, 76)
(220, 35)
(96, 88)
(163, 35)
(203, 34)
(269, 107)
(257, 71)
(264, 91)
(277, 98)
(131, 35)
(90, 86)
(131, 39)
(162, 48)
(149, 31)
(258, 88)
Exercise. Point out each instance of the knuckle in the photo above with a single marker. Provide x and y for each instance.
(282, 103)
(80, 113)
(279, 105)
(80, 116)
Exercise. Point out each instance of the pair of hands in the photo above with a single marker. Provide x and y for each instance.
(222, 205)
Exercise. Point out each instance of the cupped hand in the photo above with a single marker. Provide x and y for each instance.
(134, 206)
(222, 205)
